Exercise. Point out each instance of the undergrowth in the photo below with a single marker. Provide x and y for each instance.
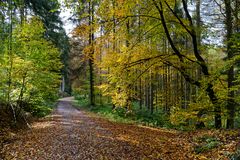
(120, 114)
(206, 143)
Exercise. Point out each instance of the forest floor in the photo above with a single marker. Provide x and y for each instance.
(71, 134)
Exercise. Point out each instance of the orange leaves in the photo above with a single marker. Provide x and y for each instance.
(88, 50)
(82, 30)
(72, 134)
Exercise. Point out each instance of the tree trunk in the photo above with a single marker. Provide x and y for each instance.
(230, 72)
(91, 70)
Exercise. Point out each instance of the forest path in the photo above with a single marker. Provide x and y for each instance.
(70, 134)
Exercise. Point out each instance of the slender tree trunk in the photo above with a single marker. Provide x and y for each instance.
(230, 73)
(140, 93)
(236, 16)
(20, 97)
(22, 11)
(151, 97)
(91, 69)
(140, 79)
(114, 48)
(10, 60)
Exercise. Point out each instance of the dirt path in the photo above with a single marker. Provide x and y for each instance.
(70, 134)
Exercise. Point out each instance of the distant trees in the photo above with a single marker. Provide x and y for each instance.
(49, 11)
(84, 15)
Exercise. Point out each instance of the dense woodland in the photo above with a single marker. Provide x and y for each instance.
(179, 59)
(152, 79)
(174, 60)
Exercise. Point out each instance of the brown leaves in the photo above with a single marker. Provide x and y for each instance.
(72, 134)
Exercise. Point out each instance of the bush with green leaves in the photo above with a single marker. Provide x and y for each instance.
(121, 114)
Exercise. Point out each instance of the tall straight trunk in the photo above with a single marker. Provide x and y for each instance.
(91, 38)
(199, 37)
(236, 16)
(20, 97)
(140, 93)
(146, 94)
(129, 99)
(157, 91)
(169, 91)
(10, 59)
(198, 21)
(151, 93)
(161, 91)
(22, 11)
(114, 47)
(100, 69)
(140, 79)
(165, 81)
(178, 89)
(230, 72)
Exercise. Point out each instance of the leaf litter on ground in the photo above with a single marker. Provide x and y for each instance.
(70, 134)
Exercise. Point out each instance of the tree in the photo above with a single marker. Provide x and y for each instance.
(230, 72)
(181, 59)
(49, 12)
(35, 68)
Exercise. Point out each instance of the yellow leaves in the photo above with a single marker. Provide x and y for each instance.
(181, 117)
(82, 30)
(116, 8)
(200, 157)
(84, 135)
(105, 89)
(128, 139)
(88, 51)
(21, 64)
(27, 32)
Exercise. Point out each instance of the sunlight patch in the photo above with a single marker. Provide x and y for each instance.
(42, 125)
(127, 138)
(55, 116)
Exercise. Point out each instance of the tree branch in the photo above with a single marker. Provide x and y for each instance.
(180, 21)
(160, 10)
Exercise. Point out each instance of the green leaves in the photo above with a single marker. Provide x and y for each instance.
(33, 67)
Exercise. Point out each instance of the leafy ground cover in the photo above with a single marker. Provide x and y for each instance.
(11, 125)
(69, 133)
